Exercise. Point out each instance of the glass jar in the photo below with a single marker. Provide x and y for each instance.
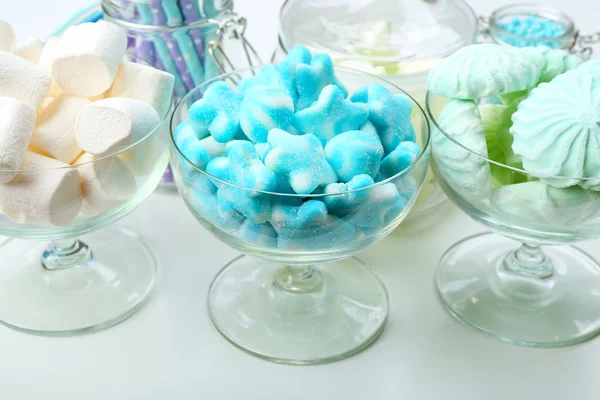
(521, 25)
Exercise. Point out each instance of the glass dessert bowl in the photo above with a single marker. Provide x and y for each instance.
(77, 285)
(296, 296)
(523, 294)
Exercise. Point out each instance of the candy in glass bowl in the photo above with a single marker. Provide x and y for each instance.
(82, 144)
(515, 145)
(299, 168)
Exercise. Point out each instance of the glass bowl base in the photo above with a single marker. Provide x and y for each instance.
(345, 314)
(558, 310)
(104, 290)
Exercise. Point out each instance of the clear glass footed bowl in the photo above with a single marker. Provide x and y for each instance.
(519, 293)
(300, 299)
(70, 285)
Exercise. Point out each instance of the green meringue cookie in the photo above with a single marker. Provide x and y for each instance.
(556, 130)
(483, 70)
(552, 62)
(496, 125)
(540, 203)
(465, 172)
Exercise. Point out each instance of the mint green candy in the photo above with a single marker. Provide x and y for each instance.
(483, 70)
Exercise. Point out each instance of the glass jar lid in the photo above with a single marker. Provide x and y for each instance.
(391, 34)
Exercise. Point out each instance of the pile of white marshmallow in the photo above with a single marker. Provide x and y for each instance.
(70, 102)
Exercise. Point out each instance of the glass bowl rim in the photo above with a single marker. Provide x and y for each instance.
(438, 127)
(162, 120)
(424, 148)
(540, 10)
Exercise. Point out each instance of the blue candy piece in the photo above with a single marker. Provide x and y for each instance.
(265, 108)
(214, 148)
(311, 79)
(236, 202)
(269, 76)
(246, 168)
(301, 159)
(287, 68)
(309, 227)
(258, 234)
(354, 153)
(203, 201)
(220, 168)
(341, 203)
(398, 160)
(243, 168)
(219, 110)
(187, 139)
(369, 128)
(381, 201)
(389, 113)
(330, 115)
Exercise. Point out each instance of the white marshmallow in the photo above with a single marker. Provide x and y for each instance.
(145, 83)
(22, 80)
(88, 57)
(109, 125)
(50, 192)
(142, 158)
(17, 121)
(46, 59)
(105, 184)
(7, 37)
(31, 49)
(55, 130)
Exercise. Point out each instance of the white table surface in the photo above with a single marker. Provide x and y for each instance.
(170, 350)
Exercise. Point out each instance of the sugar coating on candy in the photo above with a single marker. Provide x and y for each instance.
(301, 159)
(403, 156)
(22, 80)
(465, 172)
(557, 130)
(219, 110)
(265, 108)
(50, 194)
(55, 130)
(220, 168)
(532, 27)
(540, 203)
(311, 79)
(354, 153)
(88, 56)
(204, 201)
(330, 115)
(483, 70)
(287, 68)
(7, 37)
(105, 184)
(110, 125)
(144, 83)
(187, 138)
(269, 76)
(258, 234)
(552, 62)
(389, 114)
(215, 149)
(246, 170)
(31, 49)
(339, 202)
(17, 121)
(309, 226)
(381, 200)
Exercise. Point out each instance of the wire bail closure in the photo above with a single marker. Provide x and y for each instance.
(233, 27)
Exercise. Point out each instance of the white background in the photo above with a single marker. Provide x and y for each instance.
(170, 350)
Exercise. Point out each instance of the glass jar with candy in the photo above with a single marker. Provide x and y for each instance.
(533, 25)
